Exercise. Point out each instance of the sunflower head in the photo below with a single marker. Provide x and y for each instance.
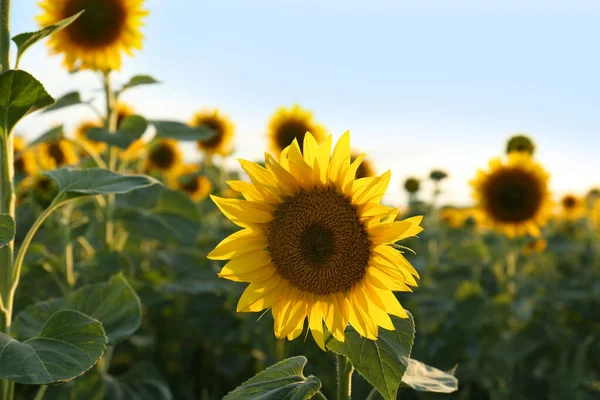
(535, 246)
(412, 185)
(123, 111)
(99, 36)
(134, 151)
(164, 155)
(521, 144)
(42, 189)
(316, 243)
(513, 196)
(220, 142)
(365, 169)
(81, 136)
(572, 207)
(596, 214)
(24, 162)
(187, 180)
(57, 153)
(289, 123)
(453, 217)
(438, 175)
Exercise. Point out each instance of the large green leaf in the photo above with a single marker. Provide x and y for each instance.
(379, 361)
(424, 378)
(7, 229)
(142, 382)
(130, 129)
(74, 183)
(67, 100)
(115, 304)
(20, 94)
(90, 386)
(139, 80)
(68, 344)
(183, 132)
(26, 40)
(283, 380)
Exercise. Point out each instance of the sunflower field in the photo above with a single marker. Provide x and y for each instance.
(130, 273)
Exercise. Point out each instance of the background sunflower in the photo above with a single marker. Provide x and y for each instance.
(289, 123)
(223, 130)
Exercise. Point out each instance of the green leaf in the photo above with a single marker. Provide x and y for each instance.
(7, 229)
(115, 304)
(283, 380)
(50, 135)
(139, 80)
(142, 382)
(20, 94)
(179, 131)
(69, 99)
(74, 183)
(424, 378)
(379, 361)
(130, 129)
(68, 344)
(26, 40)
(90, 386)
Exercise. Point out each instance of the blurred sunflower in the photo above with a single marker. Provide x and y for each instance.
(124, 110)
(596, 213)
(97, 38)
(292, 123)
(520, 143)
(42, 189)
(220, 143)
(535, 246)
(187, 180)
(25, 163)
(81, 136)
(316, 243)
(365, 169)
(453, 217)
(513, 197)
(57, 154)
(164, 155)
(412, 185)
(572, 207)
(134, 151)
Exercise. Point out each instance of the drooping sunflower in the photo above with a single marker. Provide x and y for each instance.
(292, 123)
(24, 162)
(57, 154)
(81, 136)
(164, 155)
(513, 197)
(572, 207)
(316, 243)
(223, 129)
(186, 179)
(365, 169)
(98, 37)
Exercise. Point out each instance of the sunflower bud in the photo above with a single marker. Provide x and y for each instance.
(520, 143)
(412, 185)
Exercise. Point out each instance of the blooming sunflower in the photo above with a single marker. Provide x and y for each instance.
(57, 154)
(223, 129)
(513, 197)
(292, 123)
(97, 38)
(596, 213)
(124, 110)
(572, 207)
(164, 155)
(25, 163)
(365, 169)
(186, 179)
(81, 135)
(535, 246)
(453, 217)
(316, 243)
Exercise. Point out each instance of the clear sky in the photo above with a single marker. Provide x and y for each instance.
(420, 84)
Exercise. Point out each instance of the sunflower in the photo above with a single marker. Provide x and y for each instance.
(316, 243)
(187, 180)
(164, 155)
(222, 127)
(365, 169)
(81, 135)
(25, 163)
(513, 197)
(535, 246)
(134, 151)
(596, 213)
(97, 38)
(572, 207)
(292, 123)
(57, 154)
(453, 217)
(123, 110)
(520, 143)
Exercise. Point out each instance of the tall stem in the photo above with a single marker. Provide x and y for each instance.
(5, 34)
(344, 377)
(68, 243)
(111, 125)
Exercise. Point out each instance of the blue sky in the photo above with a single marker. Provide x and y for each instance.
(419, 84)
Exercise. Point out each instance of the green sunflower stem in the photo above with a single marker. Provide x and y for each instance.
(5, 34)
(511, 270)
(372, 394)
(344, 377)
(111, 125)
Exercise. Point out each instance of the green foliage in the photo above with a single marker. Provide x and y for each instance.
(7, 229)
(284, 380)
(179, 131)
(68, 344)
(66, 100)
(137, 81)
(50, 135)
(130, 129)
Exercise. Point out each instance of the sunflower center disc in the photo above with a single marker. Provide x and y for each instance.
(56, 153)
(216, 139)
(317, 242)
(19, 165)
(513, 195)
(189, 183)
(569, 202)
(290, 130)
(100, 25)
(162, 156)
